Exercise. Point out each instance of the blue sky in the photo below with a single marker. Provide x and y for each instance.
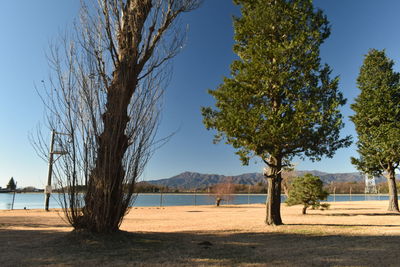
(27, 27)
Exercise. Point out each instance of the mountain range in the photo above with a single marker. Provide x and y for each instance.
(188, 180)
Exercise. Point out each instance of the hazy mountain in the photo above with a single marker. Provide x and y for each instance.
(187, 180)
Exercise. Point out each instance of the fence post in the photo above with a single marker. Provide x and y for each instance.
(334, 194)
(161, 198)
(248, 196)
(12, 204)
(350, 193)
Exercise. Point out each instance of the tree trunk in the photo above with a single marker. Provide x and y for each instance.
(105, 206)
(304, 210)
(103, 209)
(393, 199)
(274, 192)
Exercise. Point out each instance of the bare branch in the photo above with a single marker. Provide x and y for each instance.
(105, 89)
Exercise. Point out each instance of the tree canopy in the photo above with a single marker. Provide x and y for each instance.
(280, 101)
(11, 184)
(377, 119)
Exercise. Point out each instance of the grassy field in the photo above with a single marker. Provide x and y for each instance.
(349, 234)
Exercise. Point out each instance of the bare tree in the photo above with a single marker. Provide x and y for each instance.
(223, 191)
(104, 93)
(287, 175)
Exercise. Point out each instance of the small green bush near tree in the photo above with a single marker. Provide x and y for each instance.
(307, 190)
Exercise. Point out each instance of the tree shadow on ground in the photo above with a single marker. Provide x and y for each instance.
(194, 211)
(355, 214)
(344, 225)
(34, 248)
(30, 222)
(230, 206)
(355, 209)
(30, 225)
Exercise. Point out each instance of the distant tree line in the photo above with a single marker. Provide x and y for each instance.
(258, 188)
(145, 187)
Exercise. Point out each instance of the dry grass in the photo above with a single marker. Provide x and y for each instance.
(349, 234)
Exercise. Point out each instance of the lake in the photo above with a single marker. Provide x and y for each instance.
(36, 200)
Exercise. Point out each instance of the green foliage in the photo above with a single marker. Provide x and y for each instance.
(11, 184)
(280, 99)
(377, 114)
(308, 191)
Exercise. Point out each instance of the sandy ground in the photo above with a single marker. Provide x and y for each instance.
(348, 234)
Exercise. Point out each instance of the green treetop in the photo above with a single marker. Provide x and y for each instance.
(377, 120)
(280, 101)
(308, 191)
(11, 184)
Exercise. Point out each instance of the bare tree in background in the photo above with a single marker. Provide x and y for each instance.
(223, 191)
(104, 93)
(288, 176)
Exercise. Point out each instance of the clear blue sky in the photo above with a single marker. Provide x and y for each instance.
(27, 27)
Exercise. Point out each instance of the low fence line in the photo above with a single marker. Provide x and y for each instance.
(35, 200)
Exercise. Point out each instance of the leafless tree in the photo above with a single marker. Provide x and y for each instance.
(104, 92)
(223, 191)
(287, 177)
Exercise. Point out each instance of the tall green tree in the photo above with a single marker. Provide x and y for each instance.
(377, 120)
(11, 184)
(280, 101)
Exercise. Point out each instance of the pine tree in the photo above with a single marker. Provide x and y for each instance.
(280, 101)
(11, 184)
(308, 191)
(377, 120)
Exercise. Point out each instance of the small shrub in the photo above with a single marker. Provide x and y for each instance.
(308, 191)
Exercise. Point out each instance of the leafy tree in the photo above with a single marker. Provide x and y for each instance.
(377, 120)
(308, 191)
(11, 184)
(279, 102)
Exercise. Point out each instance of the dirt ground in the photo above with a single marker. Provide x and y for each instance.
(348, 234)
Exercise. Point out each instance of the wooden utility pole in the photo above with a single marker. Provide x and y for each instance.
(50, 172)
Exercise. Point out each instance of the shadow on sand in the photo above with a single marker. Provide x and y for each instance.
(39, 247)
(345, 225)
(355, 214)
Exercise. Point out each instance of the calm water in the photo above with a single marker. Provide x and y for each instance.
(36, 200)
